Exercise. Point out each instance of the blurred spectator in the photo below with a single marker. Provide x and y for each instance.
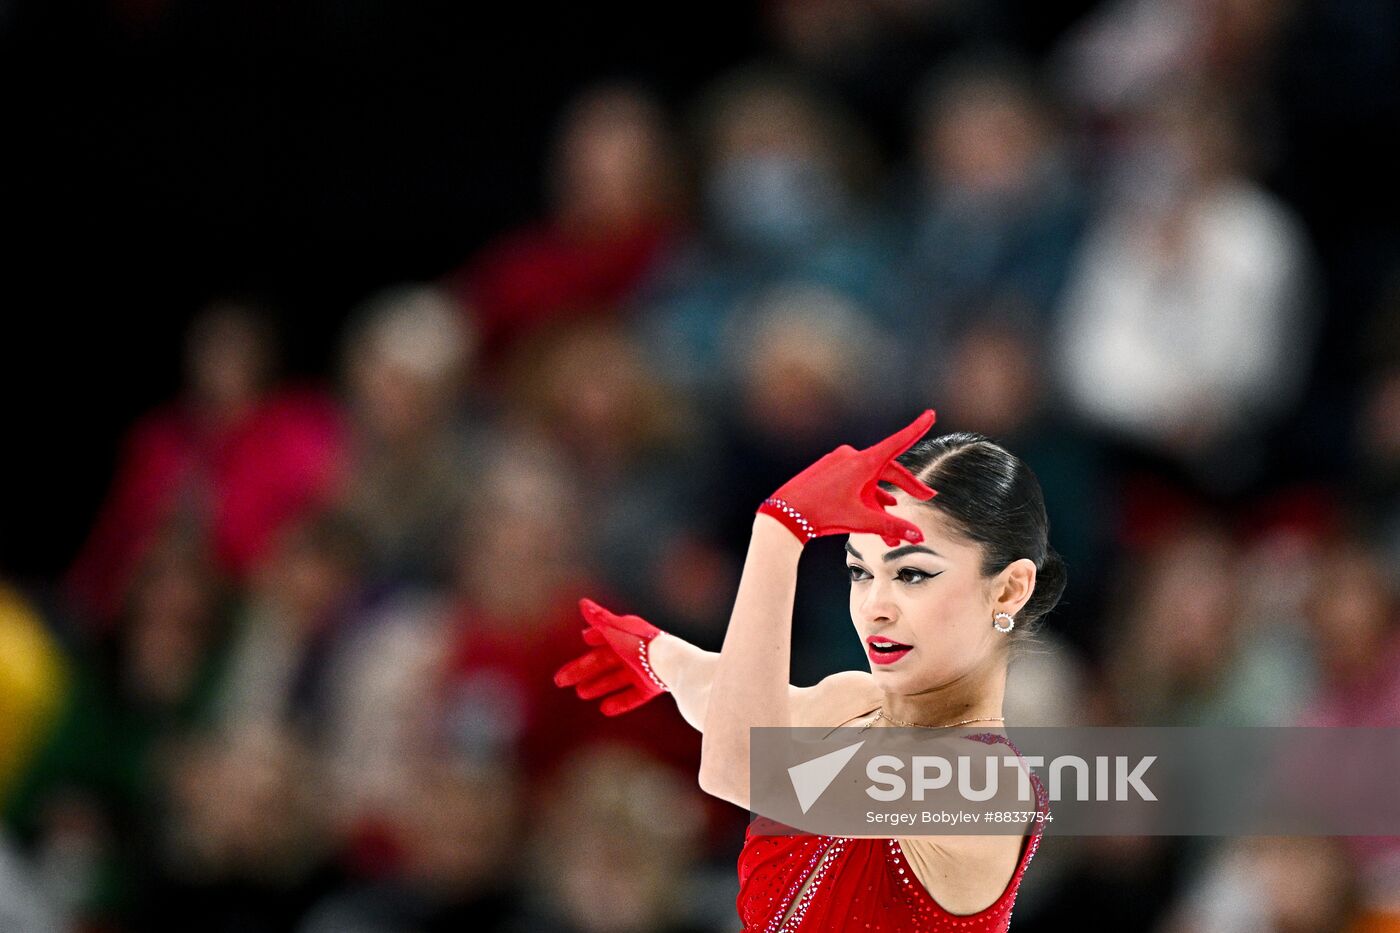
(1180, 650)
(1047, 685)
(993, 379)
(639, 447)
(1187, 327)
(243, 844)
(1376, 476)
(801, 356)
(379, 676)
(411, 452)
(1355, 621)
(993, 211)
(1379, 483)
(521, 568)
(90, 802)
(614, 202)
(1127, 53)
(1352, 611)
(1270, 885)
(1123, 882)
(232, 460)
(1354, 616)
(34, 677)
(784, 184)
(23, 908)
(524, 560)
(460, 824)
(783, 166)
(34, 681)
(283, 630)
(472, 675)
(614, 850)
(873, 52)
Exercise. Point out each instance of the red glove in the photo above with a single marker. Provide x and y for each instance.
(618, 667)
(839, 493)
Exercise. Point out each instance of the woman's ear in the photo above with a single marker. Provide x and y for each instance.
(1014, 585)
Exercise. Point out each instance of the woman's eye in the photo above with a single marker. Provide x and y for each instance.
(905, 574)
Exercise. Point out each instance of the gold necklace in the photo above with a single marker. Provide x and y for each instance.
(880, 714)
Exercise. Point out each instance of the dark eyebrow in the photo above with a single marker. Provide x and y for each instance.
(898, 552)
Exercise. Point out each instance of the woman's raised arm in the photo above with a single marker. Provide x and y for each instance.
(838, 494)
(751, 679)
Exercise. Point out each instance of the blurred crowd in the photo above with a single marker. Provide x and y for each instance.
(298, 677)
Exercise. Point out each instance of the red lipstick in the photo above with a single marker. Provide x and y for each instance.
(883, 650)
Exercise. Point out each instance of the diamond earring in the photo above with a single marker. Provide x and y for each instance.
(1010, 621)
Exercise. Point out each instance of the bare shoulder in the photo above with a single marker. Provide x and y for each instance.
(834, 699)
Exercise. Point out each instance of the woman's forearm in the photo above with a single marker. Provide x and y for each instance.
(750, 683)
(688, 671)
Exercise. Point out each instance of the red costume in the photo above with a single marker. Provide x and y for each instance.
(860, 884)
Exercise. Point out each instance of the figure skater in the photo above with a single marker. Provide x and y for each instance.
(950, 566)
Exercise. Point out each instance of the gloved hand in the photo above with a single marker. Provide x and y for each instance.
(617, 668)
(839, 494)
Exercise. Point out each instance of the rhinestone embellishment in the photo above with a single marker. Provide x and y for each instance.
(646, 666)
(795, 515)
(794, 921)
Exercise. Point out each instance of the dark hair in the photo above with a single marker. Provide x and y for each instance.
(994, 499)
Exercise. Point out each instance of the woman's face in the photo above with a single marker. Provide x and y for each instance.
(923, 611)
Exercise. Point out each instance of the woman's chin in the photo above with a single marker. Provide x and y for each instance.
(907, 678)
(890, 674)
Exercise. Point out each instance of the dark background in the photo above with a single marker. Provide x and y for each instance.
(304, 154)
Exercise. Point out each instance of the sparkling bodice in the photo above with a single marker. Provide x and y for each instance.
(858, 884)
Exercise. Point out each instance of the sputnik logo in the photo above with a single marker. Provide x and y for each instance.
(811, 778)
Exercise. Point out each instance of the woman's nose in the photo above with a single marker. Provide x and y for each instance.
(876, 604)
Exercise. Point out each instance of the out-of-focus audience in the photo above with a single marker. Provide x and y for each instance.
(298, 677)
(616, 205)
(992, 211)
(784, 180)
(406, 362)
(228, 463)
(1186, 326)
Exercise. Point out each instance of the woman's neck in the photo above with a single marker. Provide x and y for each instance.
(977, 695)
